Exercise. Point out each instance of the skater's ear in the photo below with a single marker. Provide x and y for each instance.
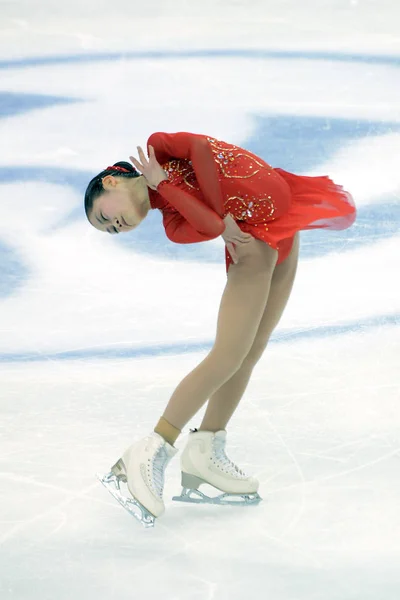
(95, 187)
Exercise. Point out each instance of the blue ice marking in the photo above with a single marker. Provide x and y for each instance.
(200, 346)
(13, 103)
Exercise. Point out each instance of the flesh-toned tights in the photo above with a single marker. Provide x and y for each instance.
(255, 295)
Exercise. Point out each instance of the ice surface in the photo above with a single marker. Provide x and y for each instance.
(96, 332)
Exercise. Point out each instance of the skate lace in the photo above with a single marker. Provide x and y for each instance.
(225, 463)
(160, 462)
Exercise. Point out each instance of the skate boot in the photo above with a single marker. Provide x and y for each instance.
(142, 468)
(204, 461)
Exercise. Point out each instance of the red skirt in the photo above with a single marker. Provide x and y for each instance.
(314, 203)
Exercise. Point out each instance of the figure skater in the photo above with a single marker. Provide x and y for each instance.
(207, 188)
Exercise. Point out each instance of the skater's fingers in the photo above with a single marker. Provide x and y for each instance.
(242, 240)
(152, 154)
(136, 164)
(232, 252)
(142, 156)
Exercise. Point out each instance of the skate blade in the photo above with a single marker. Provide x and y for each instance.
(194, 496)
(131, 505)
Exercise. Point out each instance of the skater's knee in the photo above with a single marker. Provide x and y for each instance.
(227, 362)
(256, 351)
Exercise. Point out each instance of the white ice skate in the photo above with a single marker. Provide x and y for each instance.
(204, 461)
(142, 468)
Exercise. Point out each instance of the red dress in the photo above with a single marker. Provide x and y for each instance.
(208, 179)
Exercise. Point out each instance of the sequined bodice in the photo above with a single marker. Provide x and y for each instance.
(248, 183)
(180, 171)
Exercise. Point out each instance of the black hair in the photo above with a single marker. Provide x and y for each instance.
(95, 187)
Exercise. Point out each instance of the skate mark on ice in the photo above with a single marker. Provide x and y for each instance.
(359, 467)
(337, 390)
(323, 457)
(57, 528)
(56, 507)
(370, 463)
(297, 517)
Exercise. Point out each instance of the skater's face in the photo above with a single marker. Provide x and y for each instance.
(123, 205)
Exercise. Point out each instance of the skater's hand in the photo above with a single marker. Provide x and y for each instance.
(150, 168)
(234, 235)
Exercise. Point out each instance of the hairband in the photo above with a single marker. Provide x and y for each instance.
(118, 169)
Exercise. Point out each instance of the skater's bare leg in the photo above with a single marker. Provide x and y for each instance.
(225, 400)
(241, 309)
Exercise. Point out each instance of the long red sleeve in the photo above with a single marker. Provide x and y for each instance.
(195, 213)
(197, 149)
(179, 230)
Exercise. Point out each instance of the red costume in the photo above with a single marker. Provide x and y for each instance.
(208, 179)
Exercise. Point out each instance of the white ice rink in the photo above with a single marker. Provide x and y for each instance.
(96, 331)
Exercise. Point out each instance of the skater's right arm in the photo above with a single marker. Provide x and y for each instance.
(195, 213)
(197, 149)
(181, 231)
